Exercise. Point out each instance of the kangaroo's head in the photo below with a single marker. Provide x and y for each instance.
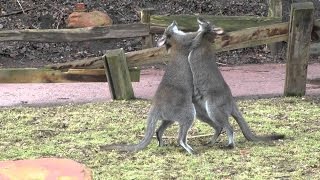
(207, 31)
(173, 37)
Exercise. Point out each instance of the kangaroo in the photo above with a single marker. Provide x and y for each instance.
(173, 98)
(211, 91)
(181, 44)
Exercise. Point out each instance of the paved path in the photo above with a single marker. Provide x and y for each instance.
(244, 81)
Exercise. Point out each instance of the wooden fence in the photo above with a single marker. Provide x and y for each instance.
(74, 35)
(121, 68)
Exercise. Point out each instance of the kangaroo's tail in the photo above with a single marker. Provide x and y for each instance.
(248, 134)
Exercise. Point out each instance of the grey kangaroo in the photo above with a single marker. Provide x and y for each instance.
(211, 91)
(173, 98)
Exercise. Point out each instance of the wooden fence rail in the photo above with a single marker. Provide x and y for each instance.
(34, 75)
(229, 23)
(158, 24)
(233, 40)
(78, 34)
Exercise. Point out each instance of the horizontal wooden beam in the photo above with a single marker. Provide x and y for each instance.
(234, 40)
(229, 23)
(87, 63)
(147, 57)
(252, 37)
(140, 58)
(78, 34)
(33, 75)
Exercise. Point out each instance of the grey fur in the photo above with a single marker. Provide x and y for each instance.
(211, 91)
(173, 98)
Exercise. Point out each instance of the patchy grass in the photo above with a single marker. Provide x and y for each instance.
(76, 131)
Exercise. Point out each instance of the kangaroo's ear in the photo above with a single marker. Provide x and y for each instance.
(201, 28)
(175, 30)
(203, 24)
(173, 25)
(218, 30)
(201, 21)
(169, 30)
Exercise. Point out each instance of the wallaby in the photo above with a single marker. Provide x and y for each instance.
(173, 98)
(211, 91)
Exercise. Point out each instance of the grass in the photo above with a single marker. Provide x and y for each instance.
(76, 131)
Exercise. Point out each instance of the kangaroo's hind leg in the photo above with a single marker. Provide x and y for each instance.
(183, 132)
(164, 125)
(219, 114)
(203, 116)
(224, 119)
(185, 119)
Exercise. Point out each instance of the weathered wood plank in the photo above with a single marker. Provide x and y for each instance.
(233, 40)
(33, 75)
(147, 57)
(87, 63)
(118, 76)
(252, 37)
(140, 58)
(78, 34)
(275, 10)
(300, 28)
(229, 23)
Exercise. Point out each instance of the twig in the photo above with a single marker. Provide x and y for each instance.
(68, 131)
(221, 64)
(17, 12)
(21, 6)
(189, 137)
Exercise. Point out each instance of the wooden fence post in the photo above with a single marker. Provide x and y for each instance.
(300, 27)
(118, 76)
(147, 41)
(275, 10)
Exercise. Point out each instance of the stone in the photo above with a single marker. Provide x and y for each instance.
(44, 169)
(88, 19)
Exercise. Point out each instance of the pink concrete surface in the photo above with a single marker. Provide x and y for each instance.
(262, 80)
(43, 169)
